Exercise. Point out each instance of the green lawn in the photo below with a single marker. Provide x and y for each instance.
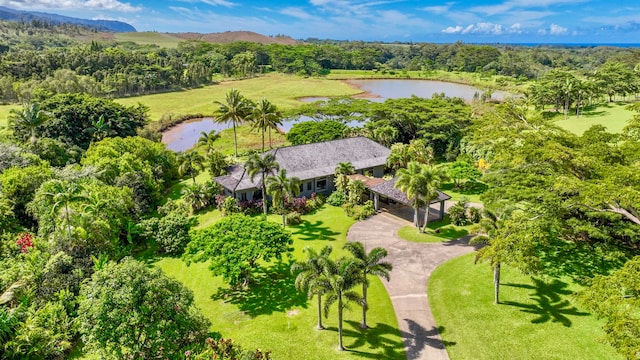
(445, 232)
(149, 38)
(613, 116)
(536, 320)
(470, 190)
(282, 90)
(273, 316)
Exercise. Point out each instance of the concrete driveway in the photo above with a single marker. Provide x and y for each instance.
(413, 264)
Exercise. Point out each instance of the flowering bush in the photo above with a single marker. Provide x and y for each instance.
(25, 242)
(250, 207)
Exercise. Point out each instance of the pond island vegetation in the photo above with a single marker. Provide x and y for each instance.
(113, 246)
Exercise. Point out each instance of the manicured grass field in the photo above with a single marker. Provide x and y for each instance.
(613, 116)
(273, 316)
(536, 320)
(282, 90)
(446, 232)
(470, 190)
(149, 38)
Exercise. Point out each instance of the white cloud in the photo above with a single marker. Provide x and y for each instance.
(555, 29)
(296, 13)
(438, 9)
(224, 3)
(478, 28)
(511, 5)
(113, 5)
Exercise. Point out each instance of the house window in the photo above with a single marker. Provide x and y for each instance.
(309, 185)
(243, 196)
(321, 184)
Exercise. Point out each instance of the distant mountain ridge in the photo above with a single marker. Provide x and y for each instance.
(9, 14)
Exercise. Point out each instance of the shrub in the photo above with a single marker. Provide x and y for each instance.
(227, 204)
(314, 202)
(359, 212)
(250, 207)
(336, 198)
(475, 214)
(293, 218)
(297, 204)
(171, 232)
(458, 213)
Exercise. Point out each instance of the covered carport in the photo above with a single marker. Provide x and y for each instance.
(385, 192)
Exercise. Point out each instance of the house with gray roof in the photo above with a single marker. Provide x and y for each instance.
(314, 164)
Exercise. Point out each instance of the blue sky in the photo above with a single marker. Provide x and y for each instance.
(493, 21)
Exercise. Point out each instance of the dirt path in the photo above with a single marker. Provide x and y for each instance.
(413, 264)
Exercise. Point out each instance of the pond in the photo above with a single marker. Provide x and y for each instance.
(185, 135)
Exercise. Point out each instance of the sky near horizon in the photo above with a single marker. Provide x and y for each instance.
(481, 21)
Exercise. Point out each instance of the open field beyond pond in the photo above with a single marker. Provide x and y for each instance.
(281, 90)
(536, 319)
(613, 116)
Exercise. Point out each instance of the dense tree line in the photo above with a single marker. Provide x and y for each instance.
(121, 69)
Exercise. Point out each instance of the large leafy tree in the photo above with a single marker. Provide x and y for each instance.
(420, 182)
(369, 264)
(309, 272)
(281, 187)
(73, 115)
(235, 110)
(265, 166)
(131, 311)
(235, 245)
(337, 281)
(265, 116)
(25, 121)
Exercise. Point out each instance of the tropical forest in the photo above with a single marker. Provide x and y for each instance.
(516, 234)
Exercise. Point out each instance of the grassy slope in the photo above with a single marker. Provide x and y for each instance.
(447, 232)
(613, 116)
(149, 38)
(4, 113)
(274, 316)
(281, 90)
(534, 321)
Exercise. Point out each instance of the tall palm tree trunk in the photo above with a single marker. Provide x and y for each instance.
(426, 218)
(415, 217)
(235, 139)
(264, 197)
(284, 223)
(320, 327)
(262, 139)
(270, 145)
(496, 284)
(66, 211)
(364, 306)
(340, 346)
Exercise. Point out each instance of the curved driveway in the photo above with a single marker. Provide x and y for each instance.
(413, 264)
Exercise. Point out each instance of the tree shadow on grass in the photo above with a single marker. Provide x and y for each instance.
(377, 342)
(272, 290)
(549, 303)
(466, 188)
(309, 231)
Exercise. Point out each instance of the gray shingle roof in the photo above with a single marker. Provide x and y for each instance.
(314, 160)
(389, 190)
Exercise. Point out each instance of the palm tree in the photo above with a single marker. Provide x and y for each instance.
(336, 282)
(265, 116)
(386, 135)
(28, 118)
(342, 171)
(236, 109)
(411, 182)
(266, 166)
(207, 139)
(369, 264)
(61, 194)
(308, 274)
(217, 163)
(433, 178)
(190, 163)
(195, 196)
(485, 233)
(280, 187)
(420, 182)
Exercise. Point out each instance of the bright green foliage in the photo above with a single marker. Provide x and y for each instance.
(128, 310)
(458, 213)
(342, 172)
(236, 244)
(71, 115)
(208, 139)
(309, 272)
(420, 182)
(356, 190)
(616, 298)
(24, 122)
(170, 232)
(20, 184)
(460, 171)
(315, 131)
(369, 264)
(401, 154)
(216, 163)
(225, 349)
